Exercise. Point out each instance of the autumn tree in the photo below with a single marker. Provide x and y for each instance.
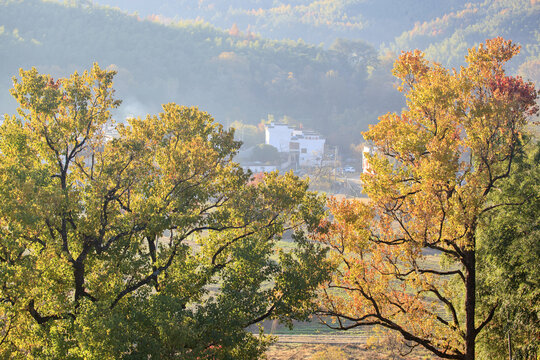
(140, 240)
(265, 153)
(436, 166)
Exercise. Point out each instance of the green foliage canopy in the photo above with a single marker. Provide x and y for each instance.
(509, 273)
(148, 242)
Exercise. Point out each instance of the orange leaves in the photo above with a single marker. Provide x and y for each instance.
(431, 175)
(348, 230)
(410, 67)
(378, 277)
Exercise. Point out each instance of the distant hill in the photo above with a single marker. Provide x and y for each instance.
(168, 51)
(446, 38)
(233, 75)
(315, 21)
(444, 29)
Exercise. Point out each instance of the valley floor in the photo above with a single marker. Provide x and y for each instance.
(328, 347)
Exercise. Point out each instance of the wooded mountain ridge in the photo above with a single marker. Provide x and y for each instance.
(242, 77)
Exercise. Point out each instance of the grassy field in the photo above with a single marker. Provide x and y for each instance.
(337, 351)
(313, 327)
(313, 340)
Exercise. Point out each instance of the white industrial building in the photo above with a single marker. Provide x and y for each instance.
(306, 148)
(279, 136)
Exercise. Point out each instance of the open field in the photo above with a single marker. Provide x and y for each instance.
(312, 340)
(322, 339)
(322, 348)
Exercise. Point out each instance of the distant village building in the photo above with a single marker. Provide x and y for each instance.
(259, 168)
(305, 148)
(279, 136)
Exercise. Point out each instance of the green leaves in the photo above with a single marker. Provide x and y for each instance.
(510, 253)
(149, 243)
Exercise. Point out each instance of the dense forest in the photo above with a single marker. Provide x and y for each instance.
(222, 56)
(446, 38)
(443, 29)
(314, 21)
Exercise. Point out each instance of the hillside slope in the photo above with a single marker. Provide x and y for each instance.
(234, 76)
(444, 29)
(315, 21)
(446, 38)
(242, 78)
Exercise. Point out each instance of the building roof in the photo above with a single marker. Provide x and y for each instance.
(300, 133)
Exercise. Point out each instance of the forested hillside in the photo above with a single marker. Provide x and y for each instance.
(446, 38)
(444, 28)
(234, 76)
(168, 51)
(314, 21)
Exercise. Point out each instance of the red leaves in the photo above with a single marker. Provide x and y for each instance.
(53, 84)
(515, 90)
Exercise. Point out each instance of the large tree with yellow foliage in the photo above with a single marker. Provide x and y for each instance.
(151, 243)
(436, 165)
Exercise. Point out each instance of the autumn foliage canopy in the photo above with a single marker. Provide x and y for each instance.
(434, 169)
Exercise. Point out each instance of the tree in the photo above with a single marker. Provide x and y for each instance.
(150, 243)
(359, 54)
(265, 153)
(508, 274)
(436, 166)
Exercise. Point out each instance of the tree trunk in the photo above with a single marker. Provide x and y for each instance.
(78, 275)
(470, 303)
(509, 345)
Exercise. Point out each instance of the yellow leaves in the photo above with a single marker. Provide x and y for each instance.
(410, 67)
(432, 170)
(496, 51)
(63, 116)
